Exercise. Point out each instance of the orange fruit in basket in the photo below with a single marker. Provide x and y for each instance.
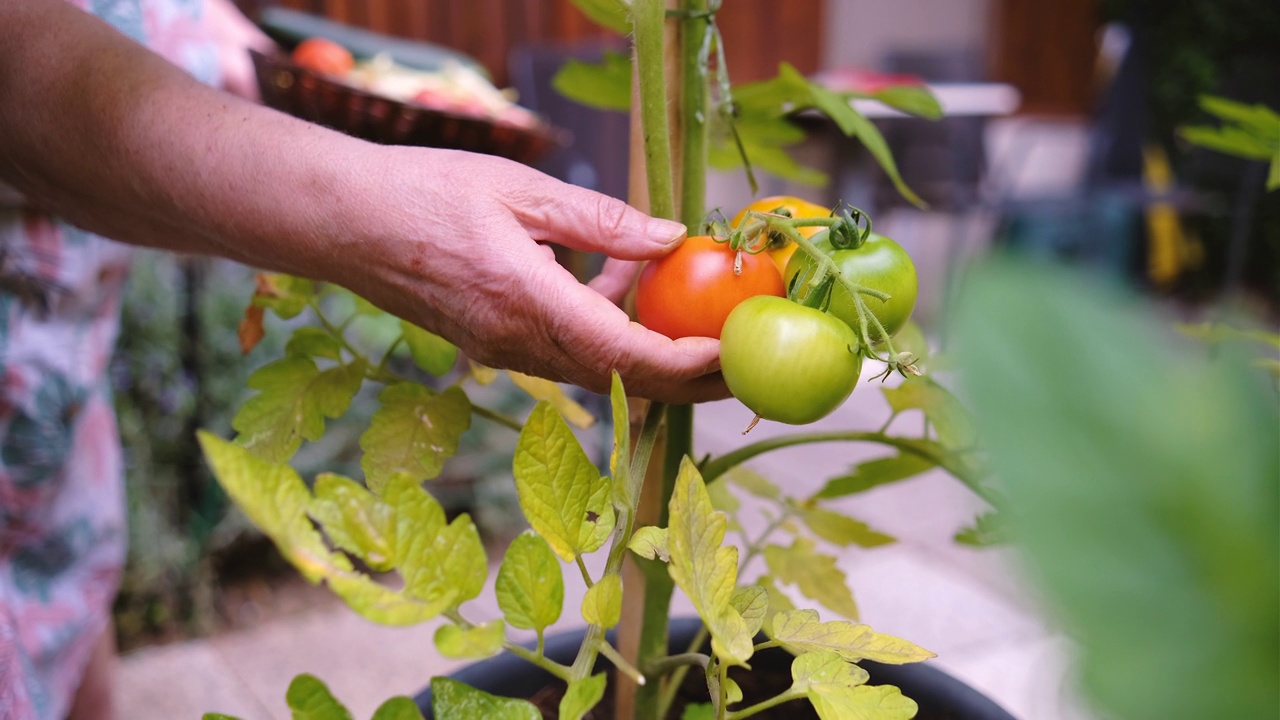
(324, 56)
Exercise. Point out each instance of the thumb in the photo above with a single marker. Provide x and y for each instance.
(585, 220)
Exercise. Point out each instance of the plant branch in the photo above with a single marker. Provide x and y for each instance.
(497, 417)
(788, 696)
(621, 663)
(648, 19)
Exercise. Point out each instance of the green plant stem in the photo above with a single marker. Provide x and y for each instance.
(672, 685)
(716, 467)
(520, 651)
(497, 417)
(386, 357)
(723, 691)
(760, 707)
(683, 661)
(693, 114)
(621, 663)
(586, 576)
(330, 328)
(648, 19)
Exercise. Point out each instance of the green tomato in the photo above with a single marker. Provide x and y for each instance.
(787, 362)
(880, 264)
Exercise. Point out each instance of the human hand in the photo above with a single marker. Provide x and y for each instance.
(235, 35)
(454, 245)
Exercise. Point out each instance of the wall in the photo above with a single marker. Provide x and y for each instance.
(861, 32)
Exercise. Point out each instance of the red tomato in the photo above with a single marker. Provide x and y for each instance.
(690, 292)
(324, 56)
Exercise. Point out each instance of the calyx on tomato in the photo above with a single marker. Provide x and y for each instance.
(879, 264)
(780, 248)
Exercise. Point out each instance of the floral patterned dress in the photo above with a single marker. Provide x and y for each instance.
(62, 509)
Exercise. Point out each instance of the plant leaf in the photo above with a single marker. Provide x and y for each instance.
(541, 389)
(820, 668)
(698, 711)
(310, 699)
(915, 100)
(398, 708)
(705, 570)
(602, 604)
(621, 471)
(605, 85)
(442, 565)
(874, 473)
(294, 398)
(651, 543)
(430, 352)
(864, 702)
(610, 14)
(814, 573)
(452, 700)
(988, 530)
(287, 296)
(754, 483)
(778, 601)
(413, 432)
(530, 585)
(355, 520)
(752, 603)
(472, 643)
(561, 492)
(313, 342)
(950, 419)
(842, 530)
(218, 716)
(582, 695)
(800, 631)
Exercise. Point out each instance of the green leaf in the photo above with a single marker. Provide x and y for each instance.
(1273, 175)
(864, 702)
(381, 604)
(754, 483)
(621, 471)
(430, 352)
(699, 711)
(842, 530)
(605, 85)
(355, 520)
(705, 570)
(310, 699)
(815, 574)
(912, 99)
(723, 499)
(1257, 117)
(308, 341)
(602, 604)
(287, 296)
(294, 397)
(765, 156)
(398, 708)
(452, 700)
(951, 420)
(582, 695)
(1141, 475)
(988, 530)
(1228, 140)
(800, 631)
(473, 643)
(414, 432)
(218, 716)
(752, 603)
(561, 492)
(651, 543)
(442, 565)
(778, 600)
(825, 668)
(610, 14)
(874, 473)
(530, 585)
(542, 389)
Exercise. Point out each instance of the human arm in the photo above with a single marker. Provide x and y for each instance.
(122, 143)
(235, 36)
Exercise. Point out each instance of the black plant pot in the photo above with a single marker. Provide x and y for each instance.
(938, 694)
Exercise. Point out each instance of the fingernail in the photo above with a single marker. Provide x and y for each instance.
(667, 232)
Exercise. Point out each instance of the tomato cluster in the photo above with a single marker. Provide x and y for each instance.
(790, 360)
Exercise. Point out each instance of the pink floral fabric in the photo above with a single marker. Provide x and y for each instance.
(62, 509)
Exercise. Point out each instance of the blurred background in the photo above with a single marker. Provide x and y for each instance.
(1060, 142)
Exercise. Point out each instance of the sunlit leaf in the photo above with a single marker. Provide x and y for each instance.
(398, 708)
(874, 473)
(452, 700)
(620, 454)
(610, 14)
(752, 603)
(839, 529)
(287, 296)
(355, 520)
(554, 393)
(864, 702)
(473, 643)
(582, 695)
(800, 631)
(414, 431)
(602, 604)
(294, 398)
(310, 699)
(605, 85)
(430, 352)
(651, 543)
(818, 668)
(561, 492)
(442, 564)
(314, 342)
(814, 573)
(779, 602)
(530, 585)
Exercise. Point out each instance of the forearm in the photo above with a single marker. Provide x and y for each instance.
(101, 131)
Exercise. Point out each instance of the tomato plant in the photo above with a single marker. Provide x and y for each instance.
(691, 291)
(879, 264)
(781, 249)
(788, 362)
(323, 55)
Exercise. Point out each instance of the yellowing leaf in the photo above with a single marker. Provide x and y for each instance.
(818, 668)
(442, 565)
(355, 520)
(778, 601)
(816, 574)
(471, 643)
(308, 341)
(380, 604)
(950, 419)
(603, 602)
(581, 696)
(286, 295)
(294, 397)
(251, 332)
(864, 702)
(413, 432)
(309, 699)
(842, 530)
(704, 570)
(452, 700)
(561, 492)
(651, 543)
(752, 603)
(530, 585)
(621, 471)
(482, 374)
(430, 352)
(545, 390)
(800, 631)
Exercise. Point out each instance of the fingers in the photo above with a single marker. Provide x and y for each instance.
(615, 278)
(588, 221)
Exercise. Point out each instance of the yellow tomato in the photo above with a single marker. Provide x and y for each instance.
(781, 249)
